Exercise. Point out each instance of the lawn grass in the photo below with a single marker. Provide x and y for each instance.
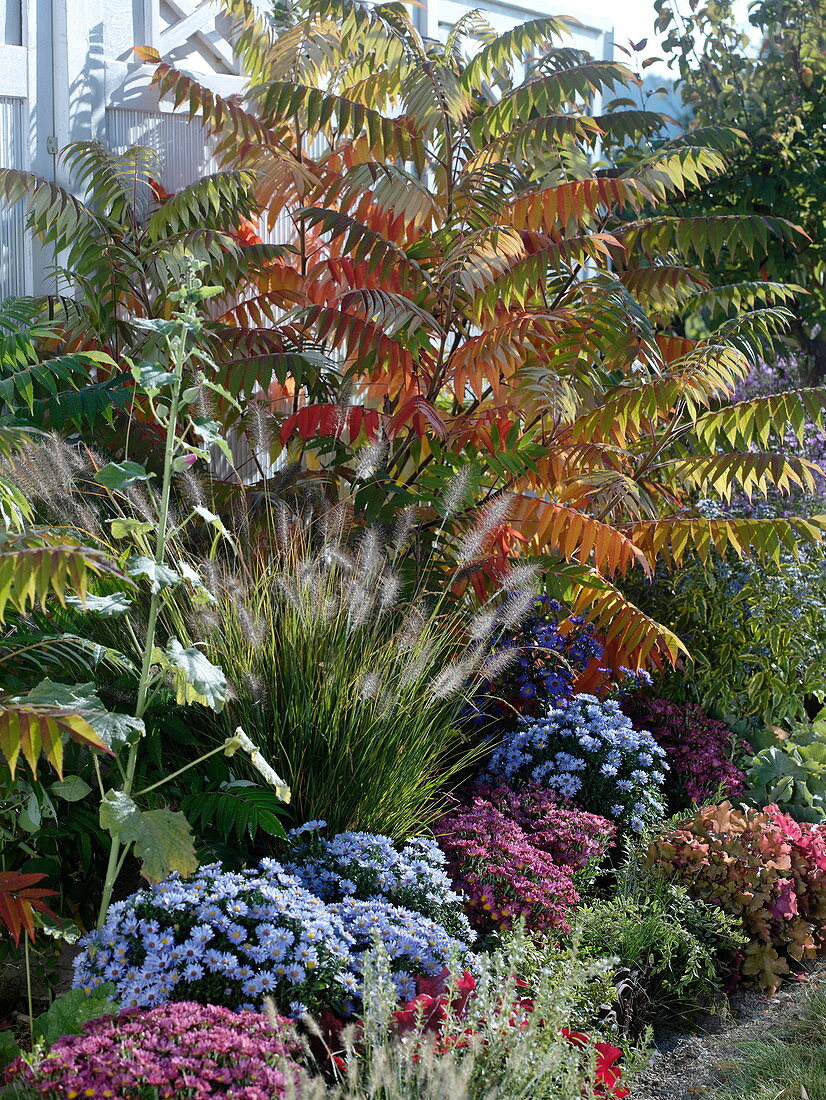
(789, 1064)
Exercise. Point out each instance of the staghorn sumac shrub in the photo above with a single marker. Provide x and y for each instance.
(700, 750)
(761, 866)
(512, 854)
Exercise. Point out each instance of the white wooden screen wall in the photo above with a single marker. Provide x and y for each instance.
(67, 73)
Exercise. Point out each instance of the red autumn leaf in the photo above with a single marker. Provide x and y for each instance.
(247, 232)
(19, 898)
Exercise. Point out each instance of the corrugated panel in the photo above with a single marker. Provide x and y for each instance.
(183, 150)
(182, 146)
(12, 255)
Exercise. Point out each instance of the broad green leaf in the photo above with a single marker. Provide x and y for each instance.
(210, 432)
(9, 1050)
(196, 679)
(70, 789)
(156, 324)
(162, 839)
(108, 606)
(120, 475)
(68, 1013)
(123, 527)
(201, 595)
(161, 576)
(116, 810)
(151, 377)
(111, 728)
(164, 843)
(210, 518)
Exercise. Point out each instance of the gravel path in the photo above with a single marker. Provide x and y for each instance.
(687, 1066)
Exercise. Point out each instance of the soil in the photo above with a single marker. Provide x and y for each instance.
(685, 1066)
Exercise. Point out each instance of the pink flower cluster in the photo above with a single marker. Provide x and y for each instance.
(572, 837)
(512, 854)
(699, 749)
(175, 1050)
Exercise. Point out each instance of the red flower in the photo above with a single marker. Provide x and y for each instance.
(608, 1073)
(424, 1013)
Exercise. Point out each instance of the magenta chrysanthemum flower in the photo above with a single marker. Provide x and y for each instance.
(513, 854)
(180, 1050)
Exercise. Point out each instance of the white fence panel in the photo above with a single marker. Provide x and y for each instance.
(12, 245)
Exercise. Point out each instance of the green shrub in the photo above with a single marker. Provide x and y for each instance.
(679, 950)
(761, 867)
(790, 769)
(756, 634)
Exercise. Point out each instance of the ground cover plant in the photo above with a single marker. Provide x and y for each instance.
(365, 865)
(469, 1039)
(789, 768)
(231, 938)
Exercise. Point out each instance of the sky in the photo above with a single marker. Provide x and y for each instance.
(631, 19)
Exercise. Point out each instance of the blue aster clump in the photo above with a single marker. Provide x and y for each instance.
(546, 662)
(588, 751)
(232, 938)
(226, 938)
(368, 866)
(414, 944)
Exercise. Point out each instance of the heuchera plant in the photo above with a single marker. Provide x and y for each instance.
(699, 750)
(763, 867)
(588, 751)
(512, 855)
(175, 1050)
